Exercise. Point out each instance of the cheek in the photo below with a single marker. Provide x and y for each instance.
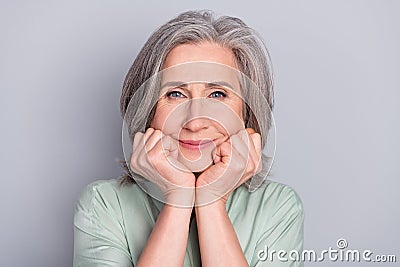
(159, 118)
(164, 119)
(237, 106)
(169, 118)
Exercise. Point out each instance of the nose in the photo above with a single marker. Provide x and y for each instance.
(196, 124)
(195, 118)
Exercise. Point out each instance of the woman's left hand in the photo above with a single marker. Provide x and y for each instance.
(235, 161)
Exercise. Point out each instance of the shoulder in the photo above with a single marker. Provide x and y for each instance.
(271, 215)
(99, 199)
(99, 192)
(281, 195)
(271, 199)
(107, 197)
(99, 228)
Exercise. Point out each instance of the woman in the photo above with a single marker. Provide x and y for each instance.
(195, 192)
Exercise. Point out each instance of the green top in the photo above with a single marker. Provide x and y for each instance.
(112, 224)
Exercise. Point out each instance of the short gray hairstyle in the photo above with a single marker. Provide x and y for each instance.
(193, 27)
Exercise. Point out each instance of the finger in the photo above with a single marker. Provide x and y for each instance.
(169, 149)
(256, 164)
(148, 132)
(250, 130)
(256, 140)
(152, 139)
(146, 135)
(137, 152)
(215, 155)
(240, 143)
(254, 154)
(169, 145)
(137, 140)
(224, 152)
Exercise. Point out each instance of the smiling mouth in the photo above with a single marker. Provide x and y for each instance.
(196, 144)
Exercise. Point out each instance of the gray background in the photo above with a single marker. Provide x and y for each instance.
(336, 69)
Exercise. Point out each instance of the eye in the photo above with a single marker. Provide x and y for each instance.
(175, 94)
(218, 94)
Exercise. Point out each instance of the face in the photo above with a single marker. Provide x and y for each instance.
(198, 115)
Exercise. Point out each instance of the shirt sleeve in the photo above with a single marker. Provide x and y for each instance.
(99, 235)
(281, 241)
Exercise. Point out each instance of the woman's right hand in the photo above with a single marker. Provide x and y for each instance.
(155, 158)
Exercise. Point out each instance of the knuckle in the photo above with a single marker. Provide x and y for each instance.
(257, 136)
(134, 164)
(166, 139)
(152, 154)
(149, 130)
(136, 139)
(138, 135)
(158, 132)
(250, 130)
(225, 146)
(148, 133)
(251, 166)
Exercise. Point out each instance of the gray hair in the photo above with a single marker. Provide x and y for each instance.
(191, 27)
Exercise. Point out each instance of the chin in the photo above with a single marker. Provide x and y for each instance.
(196, 163)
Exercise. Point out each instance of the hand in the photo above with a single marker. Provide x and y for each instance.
(155, 158)
(235, 161)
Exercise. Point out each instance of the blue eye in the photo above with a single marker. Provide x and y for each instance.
(217, 94)
(175, 94)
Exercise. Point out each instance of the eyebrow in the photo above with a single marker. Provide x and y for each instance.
(185, 84)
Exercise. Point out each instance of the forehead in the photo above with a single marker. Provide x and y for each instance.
(205, 51)
(206, 74)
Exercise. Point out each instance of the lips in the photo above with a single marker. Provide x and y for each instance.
(195, 144)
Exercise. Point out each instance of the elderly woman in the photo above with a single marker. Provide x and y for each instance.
(197, 105)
